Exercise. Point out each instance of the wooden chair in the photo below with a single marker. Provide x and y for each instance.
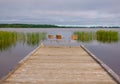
(58, 37)
(51, 36)
(74, 37)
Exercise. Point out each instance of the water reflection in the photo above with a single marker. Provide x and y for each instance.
(84, 36)
(19, 46)
(107, 36)
(9, 39)
(103, 36)
(34, 38)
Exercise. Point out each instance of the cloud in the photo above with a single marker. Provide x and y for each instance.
(60, 11)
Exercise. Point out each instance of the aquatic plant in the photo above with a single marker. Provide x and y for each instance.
(84, 36)
(107, 36)
(100, 35)
(7, 39)
(35, 38)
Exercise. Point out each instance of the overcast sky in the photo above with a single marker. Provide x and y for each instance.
(62, 12)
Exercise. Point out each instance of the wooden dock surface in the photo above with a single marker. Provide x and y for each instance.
(59, 65)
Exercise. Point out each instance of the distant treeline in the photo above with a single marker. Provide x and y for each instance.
(27, 26)
(49, 26)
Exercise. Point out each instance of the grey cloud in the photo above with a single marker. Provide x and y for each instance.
(60, 11)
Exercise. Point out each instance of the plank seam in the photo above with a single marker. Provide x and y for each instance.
(103, 65)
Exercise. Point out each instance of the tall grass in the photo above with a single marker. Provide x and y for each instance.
(21, 37)
(107, 36)
(9, 39)
(104, 36)
(35, 38)
(84, 36)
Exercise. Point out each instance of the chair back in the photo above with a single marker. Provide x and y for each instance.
(50, 36)
(58, 37)
(74, 37)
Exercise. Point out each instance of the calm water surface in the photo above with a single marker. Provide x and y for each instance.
(109, 53)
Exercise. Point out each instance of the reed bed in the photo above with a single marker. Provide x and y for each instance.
(9, 39)
(107, 36)
(103, 36)
(35, 38)
(84, 36)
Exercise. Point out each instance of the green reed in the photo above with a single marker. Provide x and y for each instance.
(104, 36)
(21, 37)
(84, 36)
(35, 38)
(7, 39)
(107, 36)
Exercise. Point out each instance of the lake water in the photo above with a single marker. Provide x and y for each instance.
(109, 53)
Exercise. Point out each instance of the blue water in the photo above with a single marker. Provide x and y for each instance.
(109, 53)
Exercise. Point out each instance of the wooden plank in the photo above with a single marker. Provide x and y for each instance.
(59, 65)
(102, 64)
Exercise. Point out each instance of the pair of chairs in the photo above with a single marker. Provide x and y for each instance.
(73, 37)
(57, 36)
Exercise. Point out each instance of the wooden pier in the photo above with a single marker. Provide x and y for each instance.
(59, 65)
